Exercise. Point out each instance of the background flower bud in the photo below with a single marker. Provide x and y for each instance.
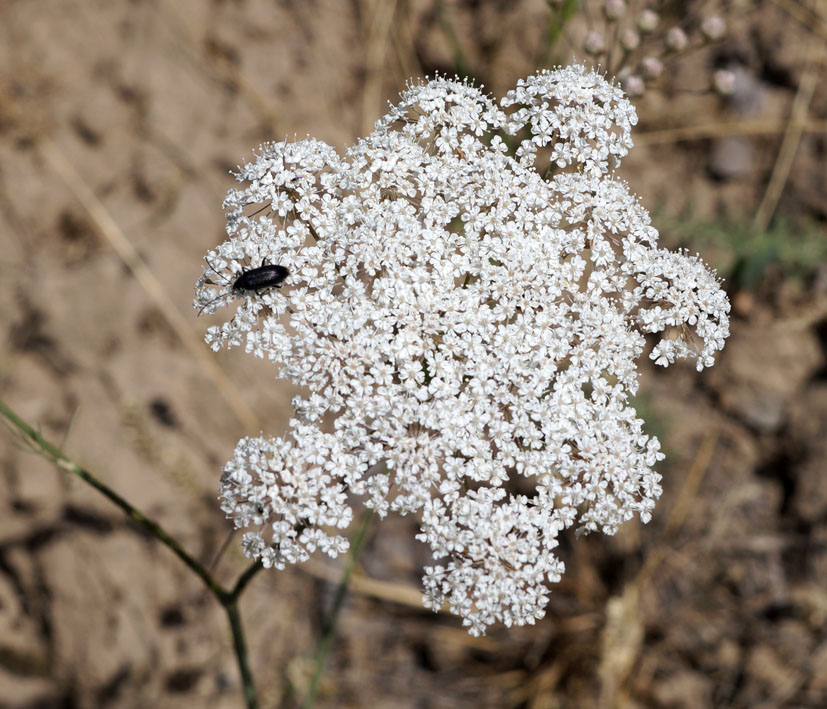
(594, 43)
(629, 39)
(647, 21)
(633, 85)
(713, 28)
(651, 67)
(614, 9)
(676, 40)
(723, 81)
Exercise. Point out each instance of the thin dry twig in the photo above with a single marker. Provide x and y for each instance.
(804, 319)
(624, 628)
(789, 146)
(380, 18)
(403, 43)
(720, 130)
(808, 19)
(110, 230)
(366, 586)
(622, 639)
(682, 505)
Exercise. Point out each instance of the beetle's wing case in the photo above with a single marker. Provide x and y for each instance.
(269, 276)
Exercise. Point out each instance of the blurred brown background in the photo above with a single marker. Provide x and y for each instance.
(119, 122)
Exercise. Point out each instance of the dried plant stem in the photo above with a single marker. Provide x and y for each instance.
(789, 146)
(228, 599)
(401, 594)
(379, 20)
(722, 129)
(806, 17)
(554, 30)
(682, 506)
(463, 68)
(624, 627)
(330, 624)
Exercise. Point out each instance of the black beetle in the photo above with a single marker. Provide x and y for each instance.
(266, 276)
(255, 279)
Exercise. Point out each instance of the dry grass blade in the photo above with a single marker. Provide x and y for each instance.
(807, 18)
(789, 146)
(359, 583)
(682, 504)
(810, 316)
(624, 629)
(110, 230)
(622, 641)
(723, 129)
(380, 18)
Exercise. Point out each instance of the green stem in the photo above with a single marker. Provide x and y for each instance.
(330, 624)
(228, 599)
(240, 646)
(556, 24)
(461, 66)
(52, 453)
(244, 579)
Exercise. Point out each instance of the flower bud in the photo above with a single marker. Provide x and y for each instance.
(676, 40)
(614, 9)
(594, 43)
(713, 28)
(633, 85)
(723, 82)
(651, 68)
(647, 21)
(629, 39)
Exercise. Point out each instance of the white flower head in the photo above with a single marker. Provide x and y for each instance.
(469, 288)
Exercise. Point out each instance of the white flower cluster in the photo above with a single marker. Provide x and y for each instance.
(465, 330)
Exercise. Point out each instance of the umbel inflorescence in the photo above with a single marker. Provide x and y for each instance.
(469, 288)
